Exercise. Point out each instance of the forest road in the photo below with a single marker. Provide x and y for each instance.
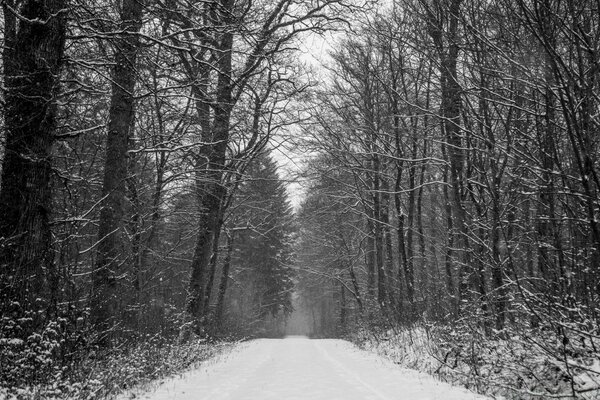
(299, 368)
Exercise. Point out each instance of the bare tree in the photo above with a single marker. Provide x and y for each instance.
(105, 300)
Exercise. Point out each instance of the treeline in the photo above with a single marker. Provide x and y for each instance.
(137, 193)
(456, 183)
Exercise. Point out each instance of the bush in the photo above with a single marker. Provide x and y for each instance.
(38, 368)
(531, 363)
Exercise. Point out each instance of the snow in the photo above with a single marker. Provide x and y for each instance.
(12, 342)
(300, 368)
(589, 378)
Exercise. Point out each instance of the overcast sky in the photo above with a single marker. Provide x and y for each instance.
(314, 52)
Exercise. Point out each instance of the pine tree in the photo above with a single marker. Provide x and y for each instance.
(264, 250)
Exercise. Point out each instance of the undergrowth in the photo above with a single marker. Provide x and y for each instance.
(34, 369)
(532, 364)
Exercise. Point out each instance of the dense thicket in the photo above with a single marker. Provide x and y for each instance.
(456, 185)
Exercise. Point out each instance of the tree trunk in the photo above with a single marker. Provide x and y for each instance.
(447, 46)
(405, 265)
(105, 299)
(214, 258)
(419, 211)
(378, 234)
(370, 258)
(33, 55)
(387, 237)
(343, 311)
(410, 221)
(218, 320)
(448, 262)
(135, 231)
(499, 295)
(212, 192)
(356, 288)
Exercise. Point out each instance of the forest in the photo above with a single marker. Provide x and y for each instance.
(445, 161)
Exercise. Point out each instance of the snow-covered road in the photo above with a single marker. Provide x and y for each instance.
(299, 368)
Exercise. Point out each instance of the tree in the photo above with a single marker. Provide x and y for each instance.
(109, 264)
(34, 40)
(262, 253)
(328, 252)
(255, 79)
(483, 126)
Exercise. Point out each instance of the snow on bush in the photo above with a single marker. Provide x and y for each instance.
(513, 365)
(29, 371)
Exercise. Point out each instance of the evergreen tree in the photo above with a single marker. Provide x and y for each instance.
(263, 250)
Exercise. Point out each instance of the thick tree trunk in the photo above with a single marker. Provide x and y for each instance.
(33, 54)
(105, 299)
(446, 42)
(212, 192)
(210, 210)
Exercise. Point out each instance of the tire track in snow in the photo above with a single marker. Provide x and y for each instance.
(350, 373)
(238, 369)
(302, 369)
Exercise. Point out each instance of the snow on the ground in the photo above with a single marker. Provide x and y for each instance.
(298, 368)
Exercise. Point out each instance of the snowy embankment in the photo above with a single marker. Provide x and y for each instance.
(517, 367)
(101, 376)
(299, 368)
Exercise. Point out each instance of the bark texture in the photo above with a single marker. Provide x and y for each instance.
(211, 191)
(33, 54)
(110, 265)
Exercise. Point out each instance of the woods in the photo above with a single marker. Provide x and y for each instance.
(452, 199)
(131, 134)
(448, 157)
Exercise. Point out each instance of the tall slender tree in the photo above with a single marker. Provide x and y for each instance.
(110, 265)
